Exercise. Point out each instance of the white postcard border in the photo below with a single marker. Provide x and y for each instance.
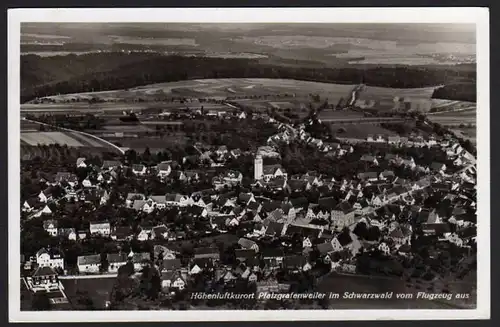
(478, 16)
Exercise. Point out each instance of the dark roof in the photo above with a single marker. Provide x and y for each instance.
(206, 250)
(163, 166)
(138, 167)
(202, 263)
(297, 185)
(254, 205)
(271, 206)
(244, 253)
(122, 232)
(171, 264)
(344, 207)
(141, 257)
(437, 166)
(111, 164)
(89, 259)
(327, 203)
(325, 248)
(368, 175)
(294, 261)
(117, 257)
(44, 271)
(246, 243)
(272, 252)
(301, 202)
(271, 169)
(274, 229)
(344, 238)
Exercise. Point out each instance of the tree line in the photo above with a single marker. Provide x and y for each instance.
(130, 70)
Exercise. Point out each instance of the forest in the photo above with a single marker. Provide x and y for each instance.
(43, 76)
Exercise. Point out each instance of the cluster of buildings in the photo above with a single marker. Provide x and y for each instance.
(282, 228)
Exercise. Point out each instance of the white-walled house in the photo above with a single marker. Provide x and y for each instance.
(89, 263)
(50, 226)
(49, 258)
(103, 229)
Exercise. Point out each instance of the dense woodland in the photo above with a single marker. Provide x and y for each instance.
(42, 76)
(460, 91)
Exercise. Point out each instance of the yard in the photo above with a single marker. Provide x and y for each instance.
(98, 289)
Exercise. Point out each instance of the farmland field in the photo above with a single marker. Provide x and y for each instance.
(359, 130)
(207, 88)
(71, 139)
(454, 118)
(154, 145)
(329, 114)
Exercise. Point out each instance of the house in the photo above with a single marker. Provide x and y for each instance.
(232, 177)
(296, 263)
(50, 226)
(438, 167)
(82, 234)
(69, 233)
(296, 186)
(171, 265)
(201, 264)
(244, 254)
(273, 257)
(80, 163)
(115, 261)
(132, 197)
(139, 260)
(163, 169)
(176, 199)
(89, 263)
(248, 244)
(275, 229)
(369, 158)
(343, 215)
(100, 228)
(273, 171)
(147, 206)
(49, 258)
(66, 177)
(121, 233)
(245, 198)
(172, 280)
(207, 252)
(386, 174)
(30, 204)
(368, 176)
(235, 153)
(45, 195)
(139, 169)
(267, 286)
(111, 165)
(43, 279)
(393, 139)
(384, 248)
(159, 232)
(221, 151)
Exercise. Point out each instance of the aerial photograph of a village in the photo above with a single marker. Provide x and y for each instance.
(183, 166)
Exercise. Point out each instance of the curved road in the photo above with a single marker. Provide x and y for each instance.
(79, 132)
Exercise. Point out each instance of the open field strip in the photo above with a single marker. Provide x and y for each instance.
(101, 141)
(48, 138)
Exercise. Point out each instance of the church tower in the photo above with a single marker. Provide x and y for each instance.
(257, 167)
